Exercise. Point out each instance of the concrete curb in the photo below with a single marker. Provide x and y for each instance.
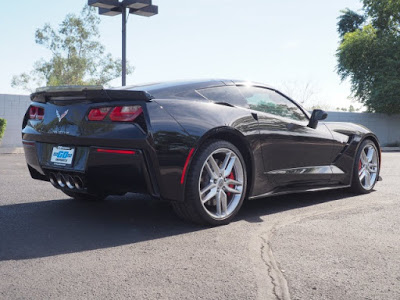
(390, 149)
(15, 150)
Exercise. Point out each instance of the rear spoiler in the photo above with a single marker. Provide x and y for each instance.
(92, 93)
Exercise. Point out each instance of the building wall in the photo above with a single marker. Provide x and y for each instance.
(387, 128)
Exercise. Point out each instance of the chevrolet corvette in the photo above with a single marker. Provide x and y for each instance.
(204, 145)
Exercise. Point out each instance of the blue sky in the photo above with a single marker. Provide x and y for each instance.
(286, 43)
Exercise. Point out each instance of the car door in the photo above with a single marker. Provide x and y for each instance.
(292, 152)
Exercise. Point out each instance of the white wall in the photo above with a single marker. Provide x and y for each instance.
(386, 127)
(13, 108)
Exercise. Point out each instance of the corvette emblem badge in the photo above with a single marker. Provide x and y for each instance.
(60, 117)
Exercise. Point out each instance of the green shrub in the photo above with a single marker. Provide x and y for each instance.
(3, 124)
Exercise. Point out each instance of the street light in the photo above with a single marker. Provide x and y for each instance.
(115, 7)
(104, 3)
(147, 11)
(137, 4)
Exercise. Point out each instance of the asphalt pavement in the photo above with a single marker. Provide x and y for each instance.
(324, 245)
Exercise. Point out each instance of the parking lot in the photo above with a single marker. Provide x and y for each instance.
(325, 245)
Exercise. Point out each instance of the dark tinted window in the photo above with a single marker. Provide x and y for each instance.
(229, 94)
(176, 89)
(176, 93)
(271, 102)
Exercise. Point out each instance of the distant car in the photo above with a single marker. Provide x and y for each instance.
(203, 145)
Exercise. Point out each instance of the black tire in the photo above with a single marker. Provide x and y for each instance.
(84, 197)
(356, 184)
(192, 209)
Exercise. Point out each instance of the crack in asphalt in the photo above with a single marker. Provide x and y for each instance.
(280, 288)
(277, 287)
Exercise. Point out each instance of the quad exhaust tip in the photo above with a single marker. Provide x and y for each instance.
(78, 182)
(59, 180)
(53, 180)
(69, 181)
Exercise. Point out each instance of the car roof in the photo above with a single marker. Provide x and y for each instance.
(189, 84)
(186, 89)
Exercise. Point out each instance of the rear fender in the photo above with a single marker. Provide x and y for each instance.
(239, 141)
(170, 145)
(204, 120)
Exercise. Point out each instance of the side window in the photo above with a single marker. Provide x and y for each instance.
(229, 94)
(271, 102)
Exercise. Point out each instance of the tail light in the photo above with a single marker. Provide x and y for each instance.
(116, 114)
(98, 114)
(36, 113)
(125, 113)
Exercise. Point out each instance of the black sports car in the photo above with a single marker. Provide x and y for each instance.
(203, 145)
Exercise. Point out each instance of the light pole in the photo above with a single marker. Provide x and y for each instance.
(116, 7)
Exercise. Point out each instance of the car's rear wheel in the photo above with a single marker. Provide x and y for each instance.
(215, 185)
(366, 168)
(84, 197)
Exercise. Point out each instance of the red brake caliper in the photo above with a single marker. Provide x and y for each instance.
(230, 176)
(359, 165)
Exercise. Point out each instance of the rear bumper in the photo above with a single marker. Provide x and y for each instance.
(92, 171)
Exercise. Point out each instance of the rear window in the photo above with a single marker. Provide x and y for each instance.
(172, 90)
(228, 94)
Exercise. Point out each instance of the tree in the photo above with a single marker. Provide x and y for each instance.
(349, 21)
(77, 57)
(302, 92)
(350, 109)
(369, 54)
(3, 124)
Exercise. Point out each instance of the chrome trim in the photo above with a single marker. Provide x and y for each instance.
(270, 194)
(308, 170)
(336, 170)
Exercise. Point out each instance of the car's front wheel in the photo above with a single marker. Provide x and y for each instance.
(366, 168)
(215, 185)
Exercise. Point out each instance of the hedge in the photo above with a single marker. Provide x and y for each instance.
(3, 124)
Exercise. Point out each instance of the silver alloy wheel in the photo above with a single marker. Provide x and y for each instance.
(368, 167)
(221, 183)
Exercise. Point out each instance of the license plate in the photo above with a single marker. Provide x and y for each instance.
(62, 155)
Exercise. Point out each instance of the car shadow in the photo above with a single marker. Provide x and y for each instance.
(47, 228)
(252, 211)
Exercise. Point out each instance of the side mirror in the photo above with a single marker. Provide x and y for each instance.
(317, 115)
